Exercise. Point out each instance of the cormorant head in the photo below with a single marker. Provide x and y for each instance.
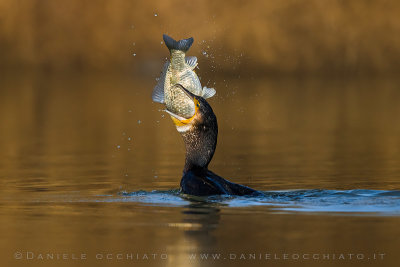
(199, 132)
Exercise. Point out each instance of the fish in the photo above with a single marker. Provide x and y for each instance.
(183, 106)
(179, 70)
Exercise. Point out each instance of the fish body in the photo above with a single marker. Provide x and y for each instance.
(179, 70)
(183, 106)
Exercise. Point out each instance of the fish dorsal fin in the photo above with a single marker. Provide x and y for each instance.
(208, 92)
(191, 62)
(158, 91)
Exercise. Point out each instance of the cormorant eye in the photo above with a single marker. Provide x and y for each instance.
(198, 105)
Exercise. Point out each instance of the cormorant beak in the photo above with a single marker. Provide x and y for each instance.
(179, 120)
(175, 116)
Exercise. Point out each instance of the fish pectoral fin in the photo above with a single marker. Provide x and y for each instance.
(191, 62)
(158, 91)
(208, 92)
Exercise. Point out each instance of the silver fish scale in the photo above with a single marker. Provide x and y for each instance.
(187, 78)
(179, 103)
(190, 81)
(179, 70)
(175, 100)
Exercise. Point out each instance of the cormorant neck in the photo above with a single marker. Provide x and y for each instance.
(201, 141)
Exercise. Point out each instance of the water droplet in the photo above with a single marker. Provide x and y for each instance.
(155, 176)
(126, 174)
(139, 121)
(134, 54)
(155, 14)
(204, 53)
(129, 110)
(133, 43)
(118, 146)
(162, 42)
(129, 138)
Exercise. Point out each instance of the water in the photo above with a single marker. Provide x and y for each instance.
(90, 166)
(352, 202)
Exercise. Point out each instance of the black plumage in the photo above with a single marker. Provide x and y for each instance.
(200, 138)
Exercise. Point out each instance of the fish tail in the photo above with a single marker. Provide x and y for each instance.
(182, 45)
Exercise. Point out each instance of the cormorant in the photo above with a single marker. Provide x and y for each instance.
(199, 134)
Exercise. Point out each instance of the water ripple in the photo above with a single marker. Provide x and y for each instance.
(358, 201)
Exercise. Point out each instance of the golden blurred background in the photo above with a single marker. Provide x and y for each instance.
(291, 36)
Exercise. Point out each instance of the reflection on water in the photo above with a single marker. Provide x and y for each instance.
(323, 151)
